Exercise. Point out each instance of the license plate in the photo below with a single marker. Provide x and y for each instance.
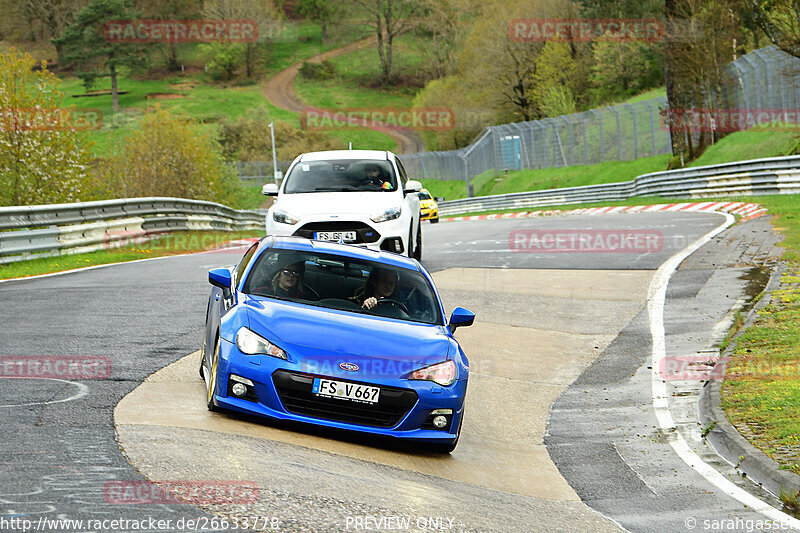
(346, 236)
(346, 391)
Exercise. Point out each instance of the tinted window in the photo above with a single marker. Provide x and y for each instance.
(341, 175)
(337, 282)
(424, 196)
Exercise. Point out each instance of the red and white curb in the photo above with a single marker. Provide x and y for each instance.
(744, 209)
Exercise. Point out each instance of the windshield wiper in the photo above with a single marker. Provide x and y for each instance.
(336, 189)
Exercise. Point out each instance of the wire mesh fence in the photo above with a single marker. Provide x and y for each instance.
(766, 79)
(258, 172)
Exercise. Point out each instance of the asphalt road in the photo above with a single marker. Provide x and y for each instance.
(59, 446)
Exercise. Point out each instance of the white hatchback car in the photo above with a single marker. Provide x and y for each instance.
(360, 197)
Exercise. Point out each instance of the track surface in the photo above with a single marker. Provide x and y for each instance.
(56, 457)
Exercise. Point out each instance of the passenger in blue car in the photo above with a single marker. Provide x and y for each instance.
(287, 282)
(380, 284)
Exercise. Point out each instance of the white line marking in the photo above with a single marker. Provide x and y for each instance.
(655, 307)
(83, 390)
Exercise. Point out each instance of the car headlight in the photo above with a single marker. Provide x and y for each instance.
(389, 214)
(252, 344)
(442, 373)
(283, 217)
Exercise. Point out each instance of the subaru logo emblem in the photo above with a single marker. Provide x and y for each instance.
(350, 367)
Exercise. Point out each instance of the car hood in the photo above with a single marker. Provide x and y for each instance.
(425, 204)
(321, 336)
(369, 203)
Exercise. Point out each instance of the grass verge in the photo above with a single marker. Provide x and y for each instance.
(761, 392)
(177, 243)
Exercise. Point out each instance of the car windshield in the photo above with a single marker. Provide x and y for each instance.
(424, 196)
(344, 283)
(341, 175)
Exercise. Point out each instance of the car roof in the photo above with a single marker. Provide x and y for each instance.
(301, 244)
(348, 154)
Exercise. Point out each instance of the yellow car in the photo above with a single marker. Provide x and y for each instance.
(428, 210)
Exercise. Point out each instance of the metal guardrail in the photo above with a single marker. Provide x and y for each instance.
(30, 232)
(777, 175)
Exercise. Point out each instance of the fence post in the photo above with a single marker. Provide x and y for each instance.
(619, 134)
(635, 132)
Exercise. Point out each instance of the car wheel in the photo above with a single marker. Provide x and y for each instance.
(410, 245)
(434, 220)
(211, 381)
(418, 245)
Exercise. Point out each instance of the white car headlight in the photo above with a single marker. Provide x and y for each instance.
(442, 373)
(389, 214)
(252, 344)
(283, 217)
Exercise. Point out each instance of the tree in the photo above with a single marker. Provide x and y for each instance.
(554, 80)
(174, 156)
(43, 154)
(780, 21)
(694, 67)
(37, 20)
(323, 12)
(84, 44)
(622, 69)
(446, 23)
(263, 12)
(165, 10)
(633, 9)
(389, 19)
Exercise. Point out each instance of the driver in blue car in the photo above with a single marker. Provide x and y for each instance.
(380, 284)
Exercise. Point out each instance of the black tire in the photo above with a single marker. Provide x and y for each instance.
(418, 245)
(211, 383)
(410, 250)
(434, 220)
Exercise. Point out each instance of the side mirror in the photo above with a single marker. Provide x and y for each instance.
(269, 189)
(439, 198)
(220, 277)
(461, 318)
(412, 186)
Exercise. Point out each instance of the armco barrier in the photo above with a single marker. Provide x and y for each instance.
(30, 232)
(778, 175)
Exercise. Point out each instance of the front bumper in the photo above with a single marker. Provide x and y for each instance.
(391, 236)
(408, 421)
(429, 214)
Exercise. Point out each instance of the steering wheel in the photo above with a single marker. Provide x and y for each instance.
(308, 291)
(398, 303)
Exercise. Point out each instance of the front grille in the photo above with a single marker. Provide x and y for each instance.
(364, 232)
(295, 393)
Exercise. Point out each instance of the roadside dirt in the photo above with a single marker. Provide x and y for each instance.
(279, 90)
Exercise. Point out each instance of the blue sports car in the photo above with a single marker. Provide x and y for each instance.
(335, 335)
